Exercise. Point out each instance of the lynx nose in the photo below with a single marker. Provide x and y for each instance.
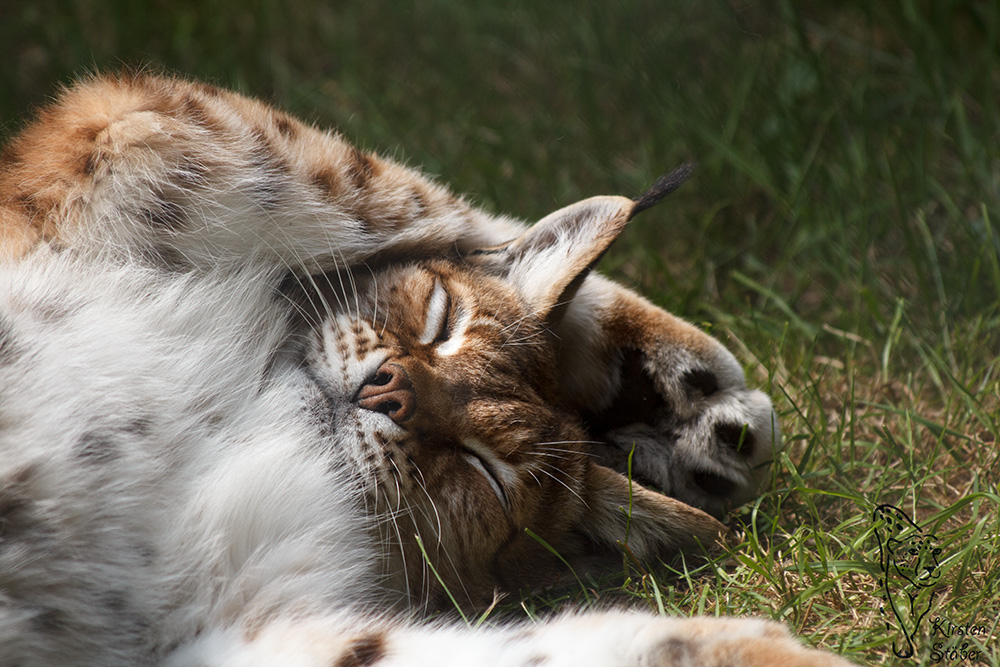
(389, 392)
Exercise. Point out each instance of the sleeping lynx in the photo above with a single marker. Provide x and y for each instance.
(261, 391)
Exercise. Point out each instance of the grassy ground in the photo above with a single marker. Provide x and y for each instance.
(842, 233)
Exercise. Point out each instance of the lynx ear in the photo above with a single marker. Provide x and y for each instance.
(656, 525)
(548, 262)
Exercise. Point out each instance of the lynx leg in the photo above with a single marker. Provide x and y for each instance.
(645, 379)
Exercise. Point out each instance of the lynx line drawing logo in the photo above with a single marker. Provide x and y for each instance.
(910, 569)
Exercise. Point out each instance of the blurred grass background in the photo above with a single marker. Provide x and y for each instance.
(840, 234)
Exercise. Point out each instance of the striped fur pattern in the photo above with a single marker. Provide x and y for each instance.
(261, 391)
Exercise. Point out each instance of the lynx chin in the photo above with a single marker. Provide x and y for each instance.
(268, 399)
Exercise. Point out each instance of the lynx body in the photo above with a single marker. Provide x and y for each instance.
(261, 391)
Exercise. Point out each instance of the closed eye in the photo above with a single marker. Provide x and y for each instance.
(436, 324)
(488, 470)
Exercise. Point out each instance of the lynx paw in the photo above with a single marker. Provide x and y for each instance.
(622, 638)
(708, 642)
(693, 428)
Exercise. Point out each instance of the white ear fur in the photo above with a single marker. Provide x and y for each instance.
(558, 249)
(549, 261)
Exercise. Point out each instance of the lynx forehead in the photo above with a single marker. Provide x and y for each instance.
(259, 390)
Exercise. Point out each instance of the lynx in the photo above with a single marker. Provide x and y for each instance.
(269, 399)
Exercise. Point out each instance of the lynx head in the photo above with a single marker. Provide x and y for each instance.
(440, 380)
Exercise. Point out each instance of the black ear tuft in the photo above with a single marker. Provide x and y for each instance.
(664, 186)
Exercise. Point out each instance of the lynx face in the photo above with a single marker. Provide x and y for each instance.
(443, 400)
(440, 380)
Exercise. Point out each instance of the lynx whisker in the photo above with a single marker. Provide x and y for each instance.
(559, 481)
(419, 479)
(394, 517)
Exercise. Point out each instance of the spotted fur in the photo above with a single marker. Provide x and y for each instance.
(261, 390)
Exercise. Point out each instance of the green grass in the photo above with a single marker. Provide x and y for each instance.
(842, 233)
